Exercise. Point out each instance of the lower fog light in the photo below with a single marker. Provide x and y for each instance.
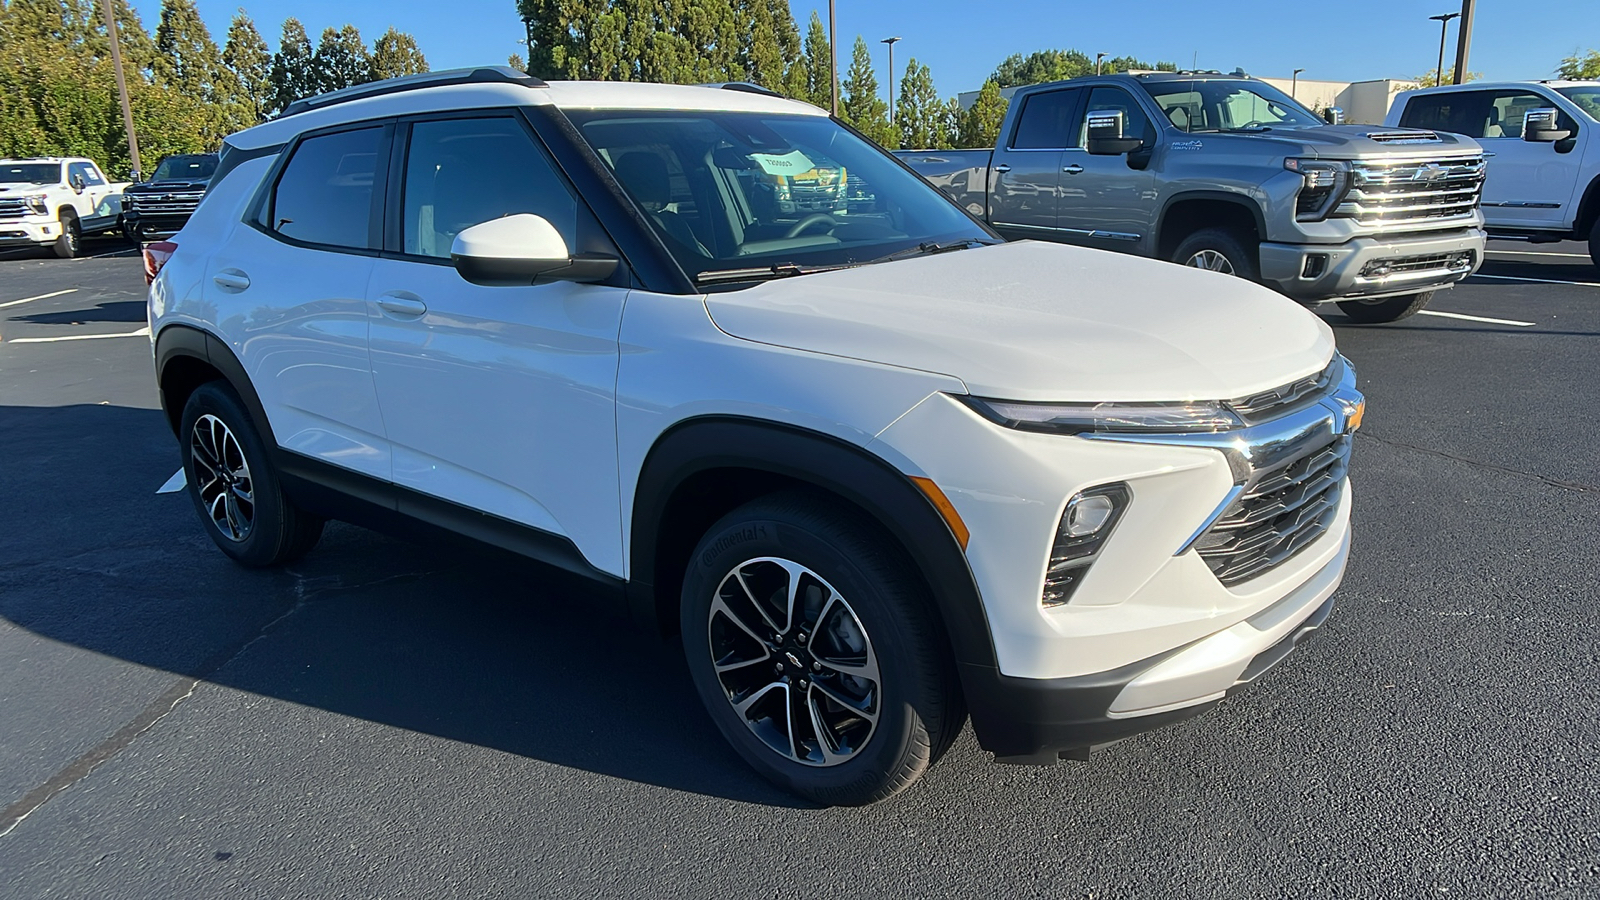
(1090, 518)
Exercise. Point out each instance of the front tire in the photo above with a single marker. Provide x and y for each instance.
(1220, 250)
(71, 240)
(1386, 309)
(816, 651)
(1594, 243)
(233, 485)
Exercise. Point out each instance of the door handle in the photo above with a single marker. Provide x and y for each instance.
(1002, 169)
(401, 303)
(1073, 169)
(231, 280)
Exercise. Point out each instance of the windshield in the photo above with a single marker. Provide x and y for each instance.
(1228, 105)
(1587, 97)
(741, 191)
(185, 168)
(30, 173)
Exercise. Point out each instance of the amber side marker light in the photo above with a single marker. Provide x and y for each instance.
(945, 508)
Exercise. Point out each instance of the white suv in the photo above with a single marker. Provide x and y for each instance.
(878, 469)
(1542, 139)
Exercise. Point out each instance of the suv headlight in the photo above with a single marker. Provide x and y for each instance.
(1108, 418)
(36, 202)
(1325, 183)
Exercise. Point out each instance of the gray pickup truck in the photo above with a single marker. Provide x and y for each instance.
(1228, 173)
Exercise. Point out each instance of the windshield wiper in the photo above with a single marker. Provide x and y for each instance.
(760, 273)
(927, 248)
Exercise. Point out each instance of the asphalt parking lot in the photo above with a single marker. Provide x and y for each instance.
(386, 719)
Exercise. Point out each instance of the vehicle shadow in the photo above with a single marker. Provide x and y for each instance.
(114, 311)
(446, 641)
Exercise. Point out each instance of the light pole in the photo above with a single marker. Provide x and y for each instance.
(891, 42)
(1294, 83)
(1444, 23)
(122, 88)
(833, 58)
(1097, 58)
(1463, 42)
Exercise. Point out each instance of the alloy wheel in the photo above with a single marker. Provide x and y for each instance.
(1212, 260)
(795, 662)
(222, 476)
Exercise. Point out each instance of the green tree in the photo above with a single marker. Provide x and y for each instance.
(1041, 66)
(761, 59)
(246, 56)
(861, 106)
(516, 61)
(137, 47)
(292, 74)
(819, 64)
(795, 83)
(920, 113)
(341, 59)
(980, 127)
(187, 59)
(1431, 78)
(1581, 66)
(396, 54)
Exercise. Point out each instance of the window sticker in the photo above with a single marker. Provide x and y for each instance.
(792, 163)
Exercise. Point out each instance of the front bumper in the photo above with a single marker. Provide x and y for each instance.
(156, 226)
(1314, 273)
(19, 233)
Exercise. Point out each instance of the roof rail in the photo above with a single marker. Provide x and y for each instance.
(478, 75)
(743, 86)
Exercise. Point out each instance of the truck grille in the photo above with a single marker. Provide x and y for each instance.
(1408, 192)
(178, 203)
(12, 209)
(1280, 512)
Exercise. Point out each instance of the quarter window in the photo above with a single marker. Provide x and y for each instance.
(325, 195)
(464, 172)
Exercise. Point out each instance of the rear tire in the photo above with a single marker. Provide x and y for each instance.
(1388, 309)
(71, 240)
(233, 485)
(776, 676)
(1220, 250)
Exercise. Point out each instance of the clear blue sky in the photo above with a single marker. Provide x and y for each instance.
(963, 40)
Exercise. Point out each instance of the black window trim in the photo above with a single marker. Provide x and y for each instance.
(1082, 96)
(258, 215)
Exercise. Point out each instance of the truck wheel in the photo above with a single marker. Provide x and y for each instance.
(816, 652)
(1594, 243)
(1220, 250)
(234, 488)
(71, 239)
(1386, 309)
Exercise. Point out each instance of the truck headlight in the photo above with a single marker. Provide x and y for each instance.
(36, 202)
(1325, 183)
(1108, 418)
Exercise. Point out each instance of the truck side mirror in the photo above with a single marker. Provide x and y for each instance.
(1105, 134)
(77, 183)
(1539, 126)
(523, 249)
(1333, 115)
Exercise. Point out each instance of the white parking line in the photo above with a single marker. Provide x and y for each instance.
(1539, 280)
(143, 332)
(40, 297)
(176, 483)
(1539, 253)
(112, 253)
(1451, 315)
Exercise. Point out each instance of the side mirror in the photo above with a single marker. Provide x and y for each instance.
(77, 183)
(1333, 115)
(1105, 134)
(1539, 126)
(521, 250)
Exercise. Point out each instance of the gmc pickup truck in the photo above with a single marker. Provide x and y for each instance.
(1225, 172)
(53, 202)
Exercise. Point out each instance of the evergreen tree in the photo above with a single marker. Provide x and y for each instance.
(292, 74)
(516, 61)
(794, 62)
(920, 113)
(762, 60)
(950, 117)
(1041, 66)
(980, 127)
(396, 54)
(137, 47)
(819, 64)
(861, 106)
(187, 59)
(1581, 66)
(246, 55)
(341, 59)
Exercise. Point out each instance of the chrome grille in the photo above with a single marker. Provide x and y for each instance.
(1280, 512)
(1406, 192)
(1277, 401)
(1426, 263)
(177, 203)
(12, 209)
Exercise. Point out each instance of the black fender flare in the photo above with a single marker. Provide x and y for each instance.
(1588, 211)
(839, 467)
(1240, 200)
(176, 341)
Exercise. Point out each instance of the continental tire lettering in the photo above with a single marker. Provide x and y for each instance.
(751, 533)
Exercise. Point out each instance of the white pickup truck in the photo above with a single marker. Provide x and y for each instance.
(1544, 157)
(55, 201)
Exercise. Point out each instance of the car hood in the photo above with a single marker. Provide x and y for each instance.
(1361, 142)
(146, 187)
(1037, 321)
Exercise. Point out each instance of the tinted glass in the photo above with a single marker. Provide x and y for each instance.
(30, 173)
(1134, 122)
(1587, 97)
(1452, 112)
(1228, 104)
(185, 168)
(740, 190)
(464, 172)
(90, 176)
(1046, 122)
(325, 193)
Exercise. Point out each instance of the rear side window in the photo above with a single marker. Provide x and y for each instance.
(1045, 121)
(325, 195)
